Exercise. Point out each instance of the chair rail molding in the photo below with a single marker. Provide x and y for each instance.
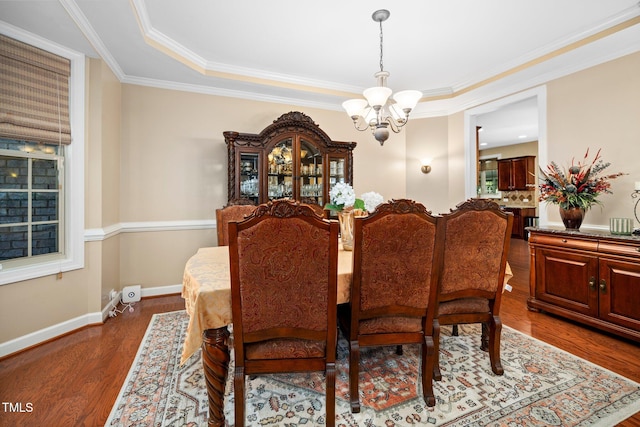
(99, 234)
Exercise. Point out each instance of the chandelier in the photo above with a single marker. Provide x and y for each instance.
(381, 112)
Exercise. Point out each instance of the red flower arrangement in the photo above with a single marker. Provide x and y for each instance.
(579, 186)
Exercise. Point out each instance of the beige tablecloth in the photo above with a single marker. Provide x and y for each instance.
(206, 289)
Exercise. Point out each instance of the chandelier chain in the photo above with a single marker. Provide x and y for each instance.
(381, 65)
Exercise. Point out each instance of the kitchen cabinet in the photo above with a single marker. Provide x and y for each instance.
(519, 217)
(291, 158)
(516, 173)
(591, 278)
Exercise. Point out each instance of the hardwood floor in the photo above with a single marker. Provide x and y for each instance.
(74, 380)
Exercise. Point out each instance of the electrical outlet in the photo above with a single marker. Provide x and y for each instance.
(112, 294)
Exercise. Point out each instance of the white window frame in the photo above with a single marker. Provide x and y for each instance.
(72, 254)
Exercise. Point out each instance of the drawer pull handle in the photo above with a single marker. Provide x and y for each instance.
(603, 285)
(638, 249)
(592, 283)
(564, 240)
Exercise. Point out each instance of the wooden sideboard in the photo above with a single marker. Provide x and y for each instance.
(589, 277)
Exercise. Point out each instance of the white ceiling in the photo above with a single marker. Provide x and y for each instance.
(460, 53)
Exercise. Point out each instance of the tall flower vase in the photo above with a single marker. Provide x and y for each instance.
(572, 218)
(345, 218)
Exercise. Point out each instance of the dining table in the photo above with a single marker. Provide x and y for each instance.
(206, 289)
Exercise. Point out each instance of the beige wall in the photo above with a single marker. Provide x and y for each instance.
(598, 108)
(102, 153)
(155, 155)
(428, 138)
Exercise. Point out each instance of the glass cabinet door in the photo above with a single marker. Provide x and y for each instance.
(311, 172)
(337, 171)
(280, 166)
(249, 168)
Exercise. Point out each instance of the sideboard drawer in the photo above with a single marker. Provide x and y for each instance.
(564, 242)
(632, 249)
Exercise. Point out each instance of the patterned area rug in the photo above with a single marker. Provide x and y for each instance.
(542, 386)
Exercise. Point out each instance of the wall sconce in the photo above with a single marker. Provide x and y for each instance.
(426, 165)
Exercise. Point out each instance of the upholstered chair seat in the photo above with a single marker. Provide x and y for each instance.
(285, 349)
(464, 305)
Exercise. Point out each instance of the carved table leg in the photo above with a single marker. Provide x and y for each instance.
(215, 359)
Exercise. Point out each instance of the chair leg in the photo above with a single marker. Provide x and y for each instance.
(399, 350)
(495, 330)
(428, 360)
(330, 373)
(436, 350)
(238, 391)
(354, 373)
(454, 330)
(484, 341)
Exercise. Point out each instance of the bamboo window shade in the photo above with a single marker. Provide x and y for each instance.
(34, 94)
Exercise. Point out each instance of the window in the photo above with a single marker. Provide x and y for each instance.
(31, 214)
(41, 168)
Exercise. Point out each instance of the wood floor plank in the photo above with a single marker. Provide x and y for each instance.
(74, 380)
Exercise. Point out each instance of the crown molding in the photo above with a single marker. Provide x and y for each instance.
(87, 29)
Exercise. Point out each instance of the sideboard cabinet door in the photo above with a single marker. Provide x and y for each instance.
(567, 280)
(619, 289)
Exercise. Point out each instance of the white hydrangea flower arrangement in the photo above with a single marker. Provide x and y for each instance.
(343, 197)
(371, 200)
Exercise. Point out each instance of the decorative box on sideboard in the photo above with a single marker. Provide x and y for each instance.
(589, 277)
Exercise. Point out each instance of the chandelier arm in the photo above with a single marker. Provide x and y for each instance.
(355, 125)
(395, 127)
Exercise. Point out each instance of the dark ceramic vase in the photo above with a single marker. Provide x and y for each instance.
(572, 218)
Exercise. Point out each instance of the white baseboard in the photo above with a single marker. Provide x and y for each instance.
(54, 331)
(161, 290)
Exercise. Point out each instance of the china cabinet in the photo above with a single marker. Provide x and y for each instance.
(517, 173)
(291, 158)
(592, 278)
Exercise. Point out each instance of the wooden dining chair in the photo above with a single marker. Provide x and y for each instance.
(235, 210)
(284, 266)
(476, 236)
(394, 269)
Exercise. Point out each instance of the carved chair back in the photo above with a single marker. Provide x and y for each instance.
(236, 210)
